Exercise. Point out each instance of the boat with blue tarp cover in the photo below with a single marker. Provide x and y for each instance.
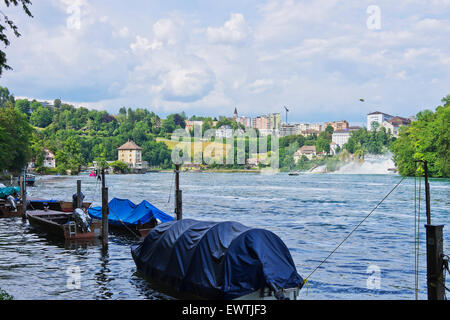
(124, 214)
(217, 260)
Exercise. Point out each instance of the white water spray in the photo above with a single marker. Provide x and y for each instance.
(371, 165)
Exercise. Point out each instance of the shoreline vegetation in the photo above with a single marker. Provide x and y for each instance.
(79, 136)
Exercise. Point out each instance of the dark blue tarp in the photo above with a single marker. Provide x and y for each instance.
(215, 260)
(129, 213)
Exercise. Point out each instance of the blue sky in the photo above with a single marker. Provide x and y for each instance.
(206, 57)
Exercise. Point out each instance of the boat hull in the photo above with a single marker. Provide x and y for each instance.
(56, 223)
(7, 212)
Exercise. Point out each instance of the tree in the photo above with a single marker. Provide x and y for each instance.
(119, 167)
(57, 103)
(23, 105)
(9, 23)
(5, 96)
(69, 157)
(42, 117)
(15, 136)
(428, 138)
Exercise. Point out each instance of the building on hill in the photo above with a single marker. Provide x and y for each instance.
(131, 154)
(191, 124)
(395, 123)
(337, 125)
(340, 137)
(378, 117)
(49, 159)
(307, 151)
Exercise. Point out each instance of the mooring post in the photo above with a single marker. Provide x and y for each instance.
(178, 194)
(79, 200)
(427, 192)
(103, 179)
(435, 250)
(23, 196)
(435, 255)
(105, 212)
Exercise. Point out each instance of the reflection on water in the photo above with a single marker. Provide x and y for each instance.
(311, 213)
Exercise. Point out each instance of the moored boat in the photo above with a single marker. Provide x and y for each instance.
(51, 204)
(126, 216)
(63, 225)
(217, 260)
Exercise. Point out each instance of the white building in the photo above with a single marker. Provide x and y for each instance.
(224, 132)
(340, 137)
(288, 130)
(378, 117)
(49, 159)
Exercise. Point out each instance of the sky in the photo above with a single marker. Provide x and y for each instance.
(318, 58)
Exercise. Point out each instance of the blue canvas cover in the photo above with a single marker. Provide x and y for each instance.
(7, 191)
(215, 260)
(129, 213)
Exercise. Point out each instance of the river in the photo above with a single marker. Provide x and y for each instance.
(311, 213)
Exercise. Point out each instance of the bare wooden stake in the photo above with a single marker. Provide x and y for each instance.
(178, 194)
(79, 200)
(105, 213)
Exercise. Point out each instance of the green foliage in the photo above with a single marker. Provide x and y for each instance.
(9, 23)
(41, 117)
(119, 167)
(5, 96)
(15, 136)
(428, 138)
(376, 141)
(23, 105)
(69, 157)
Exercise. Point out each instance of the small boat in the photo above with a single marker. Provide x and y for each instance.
(293, 173)
(93, 174)
(124, 216)
(30, 179)
(190, 259)
(54, 205)
(63, 225)
(10, 210)
(9, 205)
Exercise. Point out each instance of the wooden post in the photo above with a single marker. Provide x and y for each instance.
(79, 200)
(427, 193)
(435, 270)
(23, 196)
(435, 245)
(105, 213)
(178, 194)
(103, 179)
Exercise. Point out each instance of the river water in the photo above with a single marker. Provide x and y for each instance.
(311, 213)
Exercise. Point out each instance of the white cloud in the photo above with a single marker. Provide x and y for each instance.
(234, 30)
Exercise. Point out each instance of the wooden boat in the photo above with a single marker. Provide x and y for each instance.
(190, 259)
(67, 206)
(54, 205)
(293, 173)
(30, 179)
(126, 217)
(62, 224)
(6, 211)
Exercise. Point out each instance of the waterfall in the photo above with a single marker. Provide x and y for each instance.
(372, 164)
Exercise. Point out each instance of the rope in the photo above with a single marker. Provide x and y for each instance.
(345, 239)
